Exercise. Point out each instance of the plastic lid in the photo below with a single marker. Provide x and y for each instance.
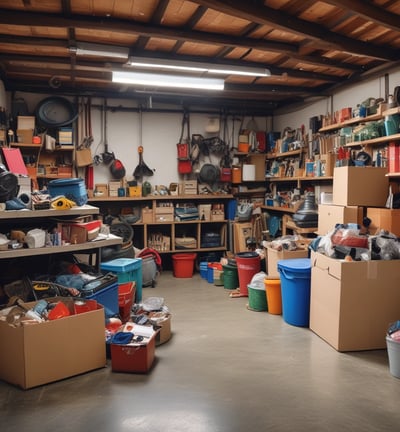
(295, 264)
(247, 255)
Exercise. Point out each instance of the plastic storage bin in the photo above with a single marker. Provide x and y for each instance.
(183, 265)
(274, 296)
(248, 264)
(230, 277)
(126, 297)
(295, 289)
(126, 270)
(106, 294)
(73, 189)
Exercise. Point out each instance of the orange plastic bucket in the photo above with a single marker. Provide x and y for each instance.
(274, 296)
(243, 147)
(236, 174)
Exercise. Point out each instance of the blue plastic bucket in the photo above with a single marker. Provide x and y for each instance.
(203, 269)
(295, 277)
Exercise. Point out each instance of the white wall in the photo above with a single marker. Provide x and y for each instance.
(349, 97)
(161, 130)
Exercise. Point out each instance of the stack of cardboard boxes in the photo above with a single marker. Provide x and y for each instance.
(352, 303)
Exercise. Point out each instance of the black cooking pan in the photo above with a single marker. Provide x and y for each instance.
(142, 170)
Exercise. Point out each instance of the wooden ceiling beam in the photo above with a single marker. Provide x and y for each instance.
(101, 66)
(323, 37)
(370, 12)
(121, 26)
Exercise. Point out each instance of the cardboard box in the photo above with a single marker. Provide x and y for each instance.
(330, 215)
(83, 232)
(360, 186)
(258, 160)
(26, 122)
(147, 215)
(25, 136)
(41, 353)
(160, 319)
(164, 214)
(352, 303)
(101, 190)
(205, 212)
(383, 218)
(272, 257)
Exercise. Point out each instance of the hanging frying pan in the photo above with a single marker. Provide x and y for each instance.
(141, 170)
(56, 111)
(209, 174)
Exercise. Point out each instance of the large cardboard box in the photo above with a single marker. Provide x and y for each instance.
(330, 215)
(360, 186)
(352, 303)
(272, 257)
(41, 353)
(383, 218)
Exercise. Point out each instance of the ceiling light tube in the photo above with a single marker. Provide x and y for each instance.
(91, 49)
(189, 66)
(160, 80)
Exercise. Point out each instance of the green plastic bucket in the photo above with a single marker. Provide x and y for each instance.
(257, 298)
(230, 277)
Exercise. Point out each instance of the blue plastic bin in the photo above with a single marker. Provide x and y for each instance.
(72, 188)
(295, 277)
(204, 269)
(126, 270)
(108, 298)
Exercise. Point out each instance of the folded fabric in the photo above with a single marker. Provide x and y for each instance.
(122, 338)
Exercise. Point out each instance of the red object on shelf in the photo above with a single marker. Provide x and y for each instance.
(394, 157)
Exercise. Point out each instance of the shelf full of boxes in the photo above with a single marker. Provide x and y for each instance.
(176, 220)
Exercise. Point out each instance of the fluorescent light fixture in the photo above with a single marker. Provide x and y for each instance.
(181, 65)
(91, 49)
(159, 80)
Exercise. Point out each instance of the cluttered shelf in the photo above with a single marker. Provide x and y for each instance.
(351, 121)
(304, 178)
(374, 141)
(279, 209)
(285, 154)
(29, 214)
(93, 245)
(162, 198)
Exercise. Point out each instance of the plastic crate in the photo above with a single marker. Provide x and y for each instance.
(126, 270)
(106, 295)
(73, 189)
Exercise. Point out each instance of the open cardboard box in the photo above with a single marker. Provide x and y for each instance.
(353, 303)
(37, 354)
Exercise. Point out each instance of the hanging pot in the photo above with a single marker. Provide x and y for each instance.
(209, 174)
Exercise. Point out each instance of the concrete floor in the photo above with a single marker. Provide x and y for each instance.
(226, 368)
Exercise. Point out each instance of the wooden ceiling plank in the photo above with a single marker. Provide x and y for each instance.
(32, 19)
(370, 12)
(323, 36)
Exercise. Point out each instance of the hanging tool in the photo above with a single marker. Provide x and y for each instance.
(141, 170)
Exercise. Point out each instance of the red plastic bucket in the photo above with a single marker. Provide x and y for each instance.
(248, 264)
(183, 265)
